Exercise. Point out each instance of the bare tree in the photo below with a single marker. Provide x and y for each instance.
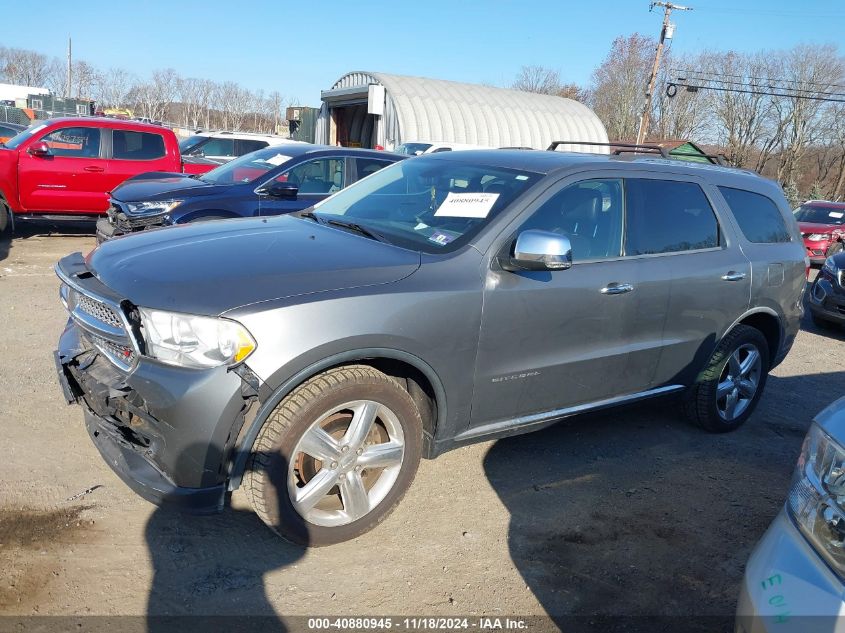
(741, 120)
(618, 85)
(537, 79)
(813, 69)
(25, 68)
(682, 116)
(85, 80)
(574, 92)
(113, 88)
(155, 97)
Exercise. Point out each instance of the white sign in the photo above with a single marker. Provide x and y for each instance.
(278, 159)
(836, 214)
(467, 205)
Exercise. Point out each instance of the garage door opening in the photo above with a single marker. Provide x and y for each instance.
(353, 126)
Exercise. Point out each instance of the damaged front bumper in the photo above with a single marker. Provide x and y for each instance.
(168, 432)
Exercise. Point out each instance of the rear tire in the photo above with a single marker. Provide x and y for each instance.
(728, 389)
(335, 456)
(4, 217)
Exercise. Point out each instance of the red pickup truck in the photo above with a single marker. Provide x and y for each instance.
(66, 167)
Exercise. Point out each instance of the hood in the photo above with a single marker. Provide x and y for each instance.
(164, 187)
(211, 267)
(813, 227)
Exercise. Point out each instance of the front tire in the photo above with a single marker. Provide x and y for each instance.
(335, 456)
(728, 390)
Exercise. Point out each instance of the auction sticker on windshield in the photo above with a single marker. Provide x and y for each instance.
(277, 160)
(467, 205)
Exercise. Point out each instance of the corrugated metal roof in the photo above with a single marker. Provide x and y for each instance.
(419, 108)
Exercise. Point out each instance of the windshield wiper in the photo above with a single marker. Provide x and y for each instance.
(358, 229)
(310, 215)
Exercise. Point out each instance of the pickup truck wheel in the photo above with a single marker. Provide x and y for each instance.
(335, 456)
(730, 387)
(4, 217)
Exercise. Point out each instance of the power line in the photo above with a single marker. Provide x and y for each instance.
(693, 81)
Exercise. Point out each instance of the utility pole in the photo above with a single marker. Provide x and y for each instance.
(665, 33)
(69, 88)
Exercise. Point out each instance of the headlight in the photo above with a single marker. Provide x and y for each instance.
(818, 237)
(194, 341)
(830, 266)
(817, 497)
(152, 208)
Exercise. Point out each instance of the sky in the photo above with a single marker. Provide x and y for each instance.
(300, 48)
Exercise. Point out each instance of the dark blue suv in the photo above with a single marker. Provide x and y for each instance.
(271, 181)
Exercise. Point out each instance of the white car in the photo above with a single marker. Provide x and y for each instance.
(417, 148)
(794, 579)
(221, 147)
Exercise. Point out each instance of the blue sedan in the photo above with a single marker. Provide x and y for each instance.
(271, 181)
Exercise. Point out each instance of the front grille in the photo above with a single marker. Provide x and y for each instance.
(98, 310)
(122, 355)
(141, 222)
(102, 325)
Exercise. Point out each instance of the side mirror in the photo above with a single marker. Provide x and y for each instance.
(281, 190)
(39, 150)
(540, 250)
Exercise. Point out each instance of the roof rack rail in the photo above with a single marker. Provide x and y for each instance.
(620, 147)
(638, 148)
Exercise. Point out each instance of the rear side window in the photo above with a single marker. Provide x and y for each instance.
(367, 166)
(758, 216)
(75, 142)
(667, 216)
(137, 145)
(245, 146)
(216, 148)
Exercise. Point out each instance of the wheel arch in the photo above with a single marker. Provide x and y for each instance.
(420, 379)
(769, 323)
(197, 214)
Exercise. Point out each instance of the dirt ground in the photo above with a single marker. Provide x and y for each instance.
(624, 513)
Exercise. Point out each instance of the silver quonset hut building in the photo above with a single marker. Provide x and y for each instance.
(368, 109)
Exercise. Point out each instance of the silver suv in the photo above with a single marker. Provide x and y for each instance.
(313, 359)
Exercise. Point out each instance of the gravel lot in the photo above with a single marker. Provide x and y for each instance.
(625, 513)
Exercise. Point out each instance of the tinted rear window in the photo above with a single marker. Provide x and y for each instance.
(666, 216)
(245, 146)
(758, 216)
(137, 145)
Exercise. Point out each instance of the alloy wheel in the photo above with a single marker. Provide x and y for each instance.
(346, 463)
(739, 382)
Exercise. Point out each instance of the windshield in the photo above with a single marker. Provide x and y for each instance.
(187, 144)
(15, 141)
(413, 149)
(820, 215)
(427, 203)
(246, 168)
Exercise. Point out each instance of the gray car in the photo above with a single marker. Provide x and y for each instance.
(794, 579)
(313, 359)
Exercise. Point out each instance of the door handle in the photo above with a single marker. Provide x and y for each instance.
(733, 276)
(93, 168)
(616, 289)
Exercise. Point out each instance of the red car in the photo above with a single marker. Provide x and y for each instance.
(66, 167)
(822, 226)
